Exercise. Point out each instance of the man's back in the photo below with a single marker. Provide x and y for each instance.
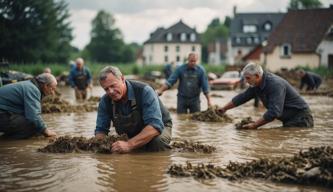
(13, 96)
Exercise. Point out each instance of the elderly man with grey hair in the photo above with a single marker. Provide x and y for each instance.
(281, 100)
(135, 110)
(20, 107)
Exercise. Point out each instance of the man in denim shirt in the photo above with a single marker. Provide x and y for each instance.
(278, 96)
(135, 110)
(192, 78)
(80, 79)
(20, 108)
(311, 80)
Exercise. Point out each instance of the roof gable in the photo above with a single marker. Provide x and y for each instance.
(302, 29)
(160, 34)
(253, 19)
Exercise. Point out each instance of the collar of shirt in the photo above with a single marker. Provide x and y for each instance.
(130, 91)
(263, 81)
(192, 68)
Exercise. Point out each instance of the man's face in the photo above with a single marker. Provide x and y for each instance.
(114, 87)
(79, 65)
(192, 60)
(252, 80)
(50, 88)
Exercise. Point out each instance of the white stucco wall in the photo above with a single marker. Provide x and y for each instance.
(275, 62)
(325, 48)
(155, 53)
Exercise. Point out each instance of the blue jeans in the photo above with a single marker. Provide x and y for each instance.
(184, 104)
(16, 126)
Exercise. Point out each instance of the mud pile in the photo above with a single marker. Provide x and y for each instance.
(67, 144)
(94, 99)
(216, 95)
(328, 93)
(190, 146)
(243, 122)
(57, 105)
(311, 167)
(211, 115)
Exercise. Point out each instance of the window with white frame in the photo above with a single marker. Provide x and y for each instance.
(256, 40)
(285, 50)
(177, 48)
(183, 37)
(193, 37)
(249, 28)
(166, 58)
(166, 48)
(249, 40)
(169, 37)
(237, 40)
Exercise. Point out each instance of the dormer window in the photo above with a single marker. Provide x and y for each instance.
(249, 28)
(183, 37)
(193, 37)
(285, 50)
(169, 37)
(267, 26)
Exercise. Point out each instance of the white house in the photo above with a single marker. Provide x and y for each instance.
(303, 38)
(171, 45)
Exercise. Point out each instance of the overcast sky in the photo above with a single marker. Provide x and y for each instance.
(138, 18)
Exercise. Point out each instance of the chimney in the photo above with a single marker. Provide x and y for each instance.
(234, 10)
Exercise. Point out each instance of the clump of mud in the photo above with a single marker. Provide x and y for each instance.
(190, 146)
(216, 95)
(243, 122)
(211, 115)
(311, 167)
(54, 104)
(94, 99)
(67, 144)
(172, 109)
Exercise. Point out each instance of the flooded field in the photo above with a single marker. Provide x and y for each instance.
(23, 168)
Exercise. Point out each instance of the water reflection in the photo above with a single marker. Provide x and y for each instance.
(22, 168)
(142, 172)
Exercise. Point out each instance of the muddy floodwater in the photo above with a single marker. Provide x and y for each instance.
(23, 168)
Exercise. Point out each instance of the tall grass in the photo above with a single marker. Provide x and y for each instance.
(127, 69)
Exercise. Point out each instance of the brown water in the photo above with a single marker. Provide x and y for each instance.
(22, 168)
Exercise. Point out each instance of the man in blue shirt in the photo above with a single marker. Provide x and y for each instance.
(135, 110)
(278, 96)
(20, 108)
(192, 78)
(311, 80)
(80, 79)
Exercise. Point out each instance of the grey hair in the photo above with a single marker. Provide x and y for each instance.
(253, 69)
(110, 69)
(79, 60)
(46, 78)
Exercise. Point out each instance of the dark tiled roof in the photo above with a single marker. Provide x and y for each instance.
(257, 19)
(159, 35)
(302, 29)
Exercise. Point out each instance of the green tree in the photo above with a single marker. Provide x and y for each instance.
(106, 44)
(304, 4)
(215, 30)
(34, 31)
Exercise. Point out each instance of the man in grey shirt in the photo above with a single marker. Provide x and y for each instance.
(280, 99)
